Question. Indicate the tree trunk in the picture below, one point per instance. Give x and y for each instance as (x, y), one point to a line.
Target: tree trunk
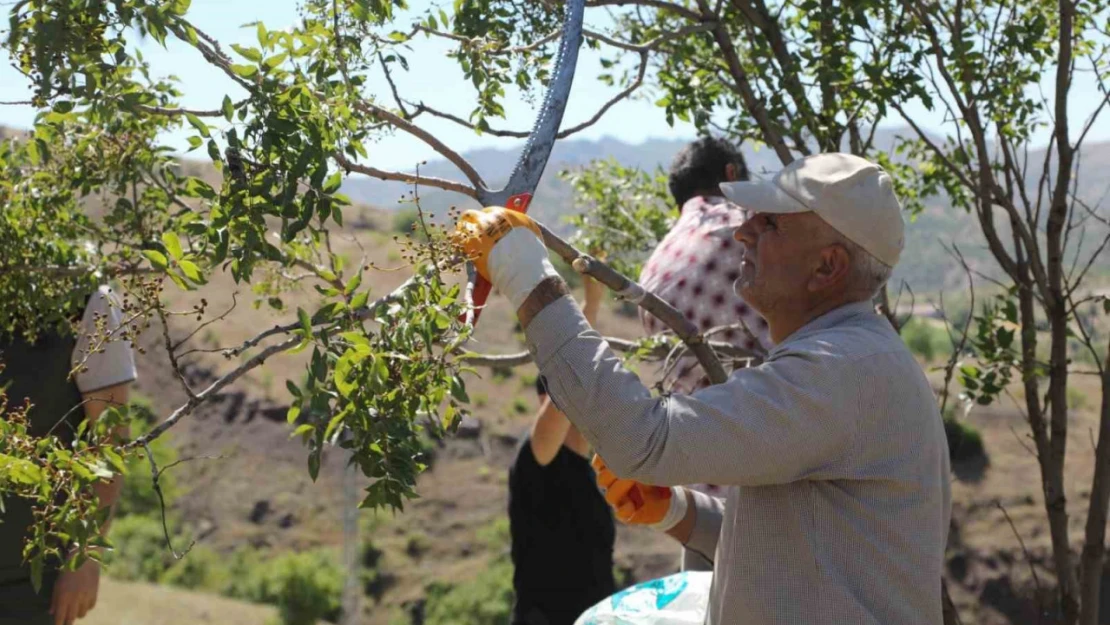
(1094, 549)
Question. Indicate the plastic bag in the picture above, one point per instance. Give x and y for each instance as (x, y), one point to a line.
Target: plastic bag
(679, 599)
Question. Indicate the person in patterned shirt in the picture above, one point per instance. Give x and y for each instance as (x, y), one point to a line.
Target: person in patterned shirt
(694, 266)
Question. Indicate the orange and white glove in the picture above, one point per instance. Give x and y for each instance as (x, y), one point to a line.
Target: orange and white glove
(636, 503)
(507, 249)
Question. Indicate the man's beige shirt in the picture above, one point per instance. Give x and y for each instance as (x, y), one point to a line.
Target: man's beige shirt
(833, 451)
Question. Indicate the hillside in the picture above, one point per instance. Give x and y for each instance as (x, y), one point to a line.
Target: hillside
(925, 266)
(245, 484)
(257, 492)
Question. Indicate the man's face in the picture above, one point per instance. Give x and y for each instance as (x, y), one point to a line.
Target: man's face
(780, 254)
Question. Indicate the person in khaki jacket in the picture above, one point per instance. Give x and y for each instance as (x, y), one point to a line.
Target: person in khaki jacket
(832, 451)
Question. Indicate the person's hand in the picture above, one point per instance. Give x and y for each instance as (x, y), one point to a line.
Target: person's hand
(635, 503)
(506, 248)
(75, 593)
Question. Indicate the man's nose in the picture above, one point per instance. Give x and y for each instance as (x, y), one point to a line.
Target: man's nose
(744, 233)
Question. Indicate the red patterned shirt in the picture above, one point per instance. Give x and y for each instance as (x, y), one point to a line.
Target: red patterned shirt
(693, 269)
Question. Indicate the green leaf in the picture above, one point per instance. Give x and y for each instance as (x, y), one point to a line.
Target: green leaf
(173, 244)
(228, 108)
(263, 36)
(302, 430)
(334, 181)
(117, 462)
(343, 371)
(448, 416)
(293, 390)
(191, 271)
(33, 153)
(355, 338)
(335, 421)
(359, 300)
(458, 389)
(306, 322)
(251, 54)
(158, 259)
(314, 464)
(245, 71)
(275, 60)
(195, 142)
(201, 127)
(300, 346)
(293, 414)
(19, 470)
(353, 284)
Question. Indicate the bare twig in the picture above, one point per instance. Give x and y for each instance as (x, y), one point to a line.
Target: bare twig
(234, 303)
(172, 354)
(393, 87)
(957, 346)
(155, 475)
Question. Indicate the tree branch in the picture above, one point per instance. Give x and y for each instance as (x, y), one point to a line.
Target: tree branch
(641, 49)
(381, 174)
(627, 289)
(677, 9)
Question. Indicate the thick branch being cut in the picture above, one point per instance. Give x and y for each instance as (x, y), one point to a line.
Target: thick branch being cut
(623, 287)
(618, 344)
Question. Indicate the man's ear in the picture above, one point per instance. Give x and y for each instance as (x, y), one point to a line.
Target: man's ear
(732, 174)
(832, 269)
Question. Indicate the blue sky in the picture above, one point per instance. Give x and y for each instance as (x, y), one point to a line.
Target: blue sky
(433, 79)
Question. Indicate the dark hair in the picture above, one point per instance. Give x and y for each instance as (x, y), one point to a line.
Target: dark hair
(541, 386)
(700, 167)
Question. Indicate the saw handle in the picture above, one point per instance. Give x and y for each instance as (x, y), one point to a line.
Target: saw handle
(482, 287)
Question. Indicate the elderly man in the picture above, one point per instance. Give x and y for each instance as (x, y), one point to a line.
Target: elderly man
(833, 450)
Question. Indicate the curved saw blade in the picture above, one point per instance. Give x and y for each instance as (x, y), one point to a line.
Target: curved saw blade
(517, 193)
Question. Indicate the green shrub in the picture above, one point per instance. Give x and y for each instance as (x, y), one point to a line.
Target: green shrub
(200, 568)
(140, 552)
(305, 586)
(926, 340)
(417, 544)
(496, 535)
(137, 495)
(964, 441)
(520, 406)
(404, 220)
(486, 599)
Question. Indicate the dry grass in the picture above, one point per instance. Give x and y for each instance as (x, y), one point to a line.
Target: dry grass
(130, 603)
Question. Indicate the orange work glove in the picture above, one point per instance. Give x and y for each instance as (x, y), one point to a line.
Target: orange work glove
(635, 503)
(507, 249)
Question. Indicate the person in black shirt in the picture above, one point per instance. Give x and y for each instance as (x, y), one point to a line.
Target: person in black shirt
(562, 529)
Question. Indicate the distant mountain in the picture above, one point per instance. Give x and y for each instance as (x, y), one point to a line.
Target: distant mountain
(925, 264)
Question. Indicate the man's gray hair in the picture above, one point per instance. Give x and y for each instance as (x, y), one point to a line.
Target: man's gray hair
(869, 274)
